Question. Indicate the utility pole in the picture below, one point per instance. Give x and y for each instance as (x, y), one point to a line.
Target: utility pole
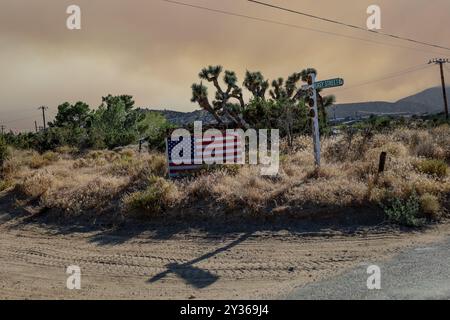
(43, 108)
(441, 62)
(3, 129)
(35, 126)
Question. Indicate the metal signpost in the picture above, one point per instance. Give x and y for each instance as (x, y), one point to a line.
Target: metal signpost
(312, 88)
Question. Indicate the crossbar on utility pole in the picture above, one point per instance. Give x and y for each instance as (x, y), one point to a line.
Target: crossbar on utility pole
(441, 62)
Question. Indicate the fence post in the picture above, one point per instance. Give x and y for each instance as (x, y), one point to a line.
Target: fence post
(382, 162)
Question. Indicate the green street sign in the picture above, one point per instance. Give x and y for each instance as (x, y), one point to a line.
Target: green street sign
(329, 83)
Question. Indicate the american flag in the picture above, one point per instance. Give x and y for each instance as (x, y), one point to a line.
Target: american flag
(204, 150)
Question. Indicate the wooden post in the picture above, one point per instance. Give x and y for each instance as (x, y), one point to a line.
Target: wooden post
(316, 129)
(382, 163)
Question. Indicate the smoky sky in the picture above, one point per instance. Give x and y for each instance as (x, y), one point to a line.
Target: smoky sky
(154, 50)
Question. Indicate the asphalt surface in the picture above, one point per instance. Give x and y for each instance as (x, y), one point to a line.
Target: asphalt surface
(419, 273)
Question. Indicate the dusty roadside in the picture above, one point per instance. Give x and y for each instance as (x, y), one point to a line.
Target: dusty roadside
(185, 263)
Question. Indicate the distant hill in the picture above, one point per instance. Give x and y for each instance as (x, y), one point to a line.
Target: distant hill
(428, 101)
(185, 118)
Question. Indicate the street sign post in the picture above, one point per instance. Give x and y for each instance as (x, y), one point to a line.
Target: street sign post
(312, 88)
(316, 129)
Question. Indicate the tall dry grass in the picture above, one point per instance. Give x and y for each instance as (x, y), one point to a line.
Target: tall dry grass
(106, 180)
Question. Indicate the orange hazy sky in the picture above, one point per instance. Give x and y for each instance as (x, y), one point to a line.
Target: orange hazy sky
(154, 50)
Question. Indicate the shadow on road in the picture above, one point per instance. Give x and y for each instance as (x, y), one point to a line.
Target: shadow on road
(196, 276)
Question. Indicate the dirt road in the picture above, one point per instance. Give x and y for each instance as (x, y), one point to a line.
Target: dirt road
(182, 263)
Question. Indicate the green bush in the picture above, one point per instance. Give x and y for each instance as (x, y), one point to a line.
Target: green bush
(154, 128)
(404, 211)
(158, 196)
(433, 167)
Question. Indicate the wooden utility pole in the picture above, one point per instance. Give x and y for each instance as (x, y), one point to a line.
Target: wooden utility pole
(3, 129)
(441, 62)
(43, 108)
(35, 126)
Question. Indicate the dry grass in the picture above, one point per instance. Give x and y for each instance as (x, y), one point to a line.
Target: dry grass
(95, 181)
(431, 206)
(101, 180)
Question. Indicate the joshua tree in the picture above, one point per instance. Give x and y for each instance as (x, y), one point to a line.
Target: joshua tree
(256, 84)
(286, 97)
(221, 106)
(324, 103)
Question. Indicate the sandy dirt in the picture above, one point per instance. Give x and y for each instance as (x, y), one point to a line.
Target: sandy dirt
(184, 263)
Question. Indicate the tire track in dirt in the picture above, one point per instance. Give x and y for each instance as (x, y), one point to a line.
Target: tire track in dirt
(33, 262)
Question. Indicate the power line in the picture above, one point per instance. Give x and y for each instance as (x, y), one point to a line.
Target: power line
(390, 76)
(349, 25)
(295, 26)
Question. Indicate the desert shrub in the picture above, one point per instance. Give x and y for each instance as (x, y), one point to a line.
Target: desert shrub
(127, 153)
(66, 150)
(50, 156)
(80, 196)
(339, 151)
(35, 185)
(125, 165)
(428, 149)
(433, 167)
(13, 165)
(430, 205)
(159, 195)
(158, 165)
(95, 155)
(133, 165)
(88, 162)
(229, 169)
(324, 172)
(4, 184)
(404, 211)
(201, 186)
(38, 161)
(4, 151)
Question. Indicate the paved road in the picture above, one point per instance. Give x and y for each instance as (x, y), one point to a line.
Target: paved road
(419, 273)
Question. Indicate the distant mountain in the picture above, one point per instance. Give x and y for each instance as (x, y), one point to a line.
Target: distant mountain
(428, 101)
